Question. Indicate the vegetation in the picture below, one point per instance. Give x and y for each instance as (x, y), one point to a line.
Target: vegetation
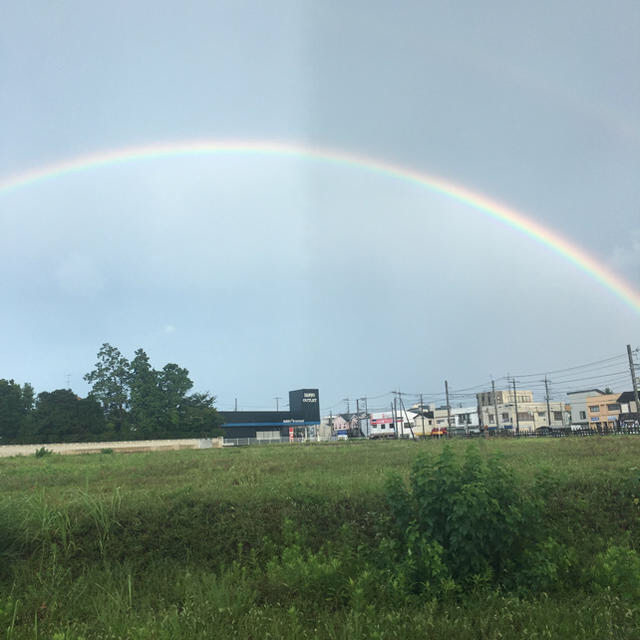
(526, 539)
(128, 401)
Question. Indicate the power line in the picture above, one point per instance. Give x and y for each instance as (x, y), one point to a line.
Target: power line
(579, 366)
(592, 377)
(600, 374)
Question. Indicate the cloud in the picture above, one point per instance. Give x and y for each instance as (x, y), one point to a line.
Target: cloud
(168, 329)
(626, 259)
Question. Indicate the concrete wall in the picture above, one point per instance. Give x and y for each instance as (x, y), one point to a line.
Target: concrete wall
(70, 448)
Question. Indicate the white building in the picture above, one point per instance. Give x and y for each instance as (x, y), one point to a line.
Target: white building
(388, 424)
(462, 418)
(530, 416)
(578, 411)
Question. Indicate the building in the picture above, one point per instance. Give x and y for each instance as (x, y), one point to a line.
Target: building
(531, 415)
(629, 411)
(603, 411)
(462, 419)
(424, 419)
(303, 416)
(351, 423)
(389, 424)
(578, 401)
(485, 399)
(325, 430)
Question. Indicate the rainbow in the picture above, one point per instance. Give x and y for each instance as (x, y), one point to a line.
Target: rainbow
(522, 223)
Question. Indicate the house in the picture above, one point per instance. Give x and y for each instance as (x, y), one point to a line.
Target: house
(603, 411)
(578, 412)
(629, 410)
(424, 419)
(463, 419)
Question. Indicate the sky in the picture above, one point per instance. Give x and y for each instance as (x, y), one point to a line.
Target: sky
(261, 272)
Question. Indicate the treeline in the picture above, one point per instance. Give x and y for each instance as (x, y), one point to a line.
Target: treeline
(129, 400)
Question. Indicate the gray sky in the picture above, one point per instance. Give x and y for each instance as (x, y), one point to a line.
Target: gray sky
(262, 274)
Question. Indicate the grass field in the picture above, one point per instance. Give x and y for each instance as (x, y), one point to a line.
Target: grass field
(310, 541)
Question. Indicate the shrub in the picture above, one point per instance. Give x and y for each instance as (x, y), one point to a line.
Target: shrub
(548, 566)
(617, 569)
(471, 516)
(42, 452)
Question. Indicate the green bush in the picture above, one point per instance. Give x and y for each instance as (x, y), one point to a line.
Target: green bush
(548, 566)
(470, 516)
(42, 452)
(301, 573)
(305, 575)
(617, 569)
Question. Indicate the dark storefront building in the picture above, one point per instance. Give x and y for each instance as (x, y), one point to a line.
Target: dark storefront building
(304, 412)
(628, 418)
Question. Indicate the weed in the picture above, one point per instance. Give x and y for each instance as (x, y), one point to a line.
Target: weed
(470, 517)
(618, 570)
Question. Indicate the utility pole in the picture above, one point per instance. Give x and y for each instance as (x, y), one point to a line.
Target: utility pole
(393, 417)
(277, 398)
(546, 389)
(495, 402)
(634, 381)
(366, 415)
(236, 404)
(446, 393)
(406, 415)
(515, 399)
(395, 412)
(358, 414)
(422, 413)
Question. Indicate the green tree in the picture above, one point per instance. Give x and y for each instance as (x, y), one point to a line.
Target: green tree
(174, 383)
(28, 397)
(146, 398)
(139, 401)
(110, 386)
(15, 408)
(60, 416)
(199, 417)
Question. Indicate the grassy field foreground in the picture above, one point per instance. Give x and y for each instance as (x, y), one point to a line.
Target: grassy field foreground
(349, 540)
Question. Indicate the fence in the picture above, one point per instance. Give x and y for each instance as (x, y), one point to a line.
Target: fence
(245, 442)
(632, 428)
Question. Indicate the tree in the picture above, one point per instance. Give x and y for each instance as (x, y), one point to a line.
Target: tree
(28, 397)
(110, 380)
(199, 418)
(146, 398)
(16, 404)
(145, 403)
(61, 416)
(174, 382)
